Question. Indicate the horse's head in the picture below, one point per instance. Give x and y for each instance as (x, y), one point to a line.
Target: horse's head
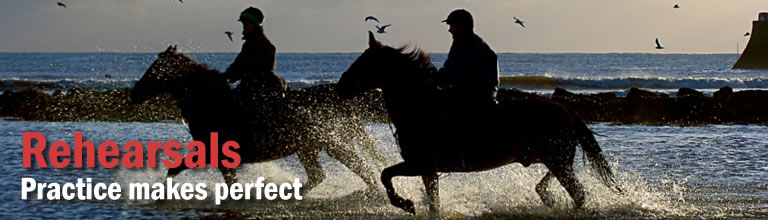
(379, 66)
(168, 68)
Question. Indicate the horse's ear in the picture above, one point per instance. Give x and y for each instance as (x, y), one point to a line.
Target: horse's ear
(174, 48)
(372, 42)
(169, 48)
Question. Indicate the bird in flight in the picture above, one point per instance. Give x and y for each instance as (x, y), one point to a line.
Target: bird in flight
(658, 44)
(676, 6)
(61, 4)
(381, 29)
(229, 34)
(370, 17)
(518, 21)
(746, 34)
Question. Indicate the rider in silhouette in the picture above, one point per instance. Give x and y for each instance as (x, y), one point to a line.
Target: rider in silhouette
(254, 67)
(470, 77)
(471, 72)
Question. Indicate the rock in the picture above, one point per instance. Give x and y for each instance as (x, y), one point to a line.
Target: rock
(635, 93)
(688, 92)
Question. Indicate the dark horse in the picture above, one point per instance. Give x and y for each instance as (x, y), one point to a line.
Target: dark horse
(303, 122)
(525, 131)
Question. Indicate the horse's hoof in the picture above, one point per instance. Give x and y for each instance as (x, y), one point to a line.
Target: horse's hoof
(405, 205)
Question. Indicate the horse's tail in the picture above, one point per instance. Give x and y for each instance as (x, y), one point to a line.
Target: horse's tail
(595, 155)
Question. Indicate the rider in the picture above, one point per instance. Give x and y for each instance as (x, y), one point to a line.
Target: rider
(254, 67)
(470, 74)
(470, 77)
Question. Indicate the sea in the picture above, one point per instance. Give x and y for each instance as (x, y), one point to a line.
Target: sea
(667, 172)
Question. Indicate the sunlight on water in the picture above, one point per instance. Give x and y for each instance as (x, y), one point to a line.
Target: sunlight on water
(507, 191)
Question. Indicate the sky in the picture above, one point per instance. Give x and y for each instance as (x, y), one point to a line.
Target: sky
(552, 26)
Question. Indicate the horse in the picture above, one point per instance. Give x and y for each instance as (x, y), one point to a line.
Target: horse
(522, 131)
(304, 122)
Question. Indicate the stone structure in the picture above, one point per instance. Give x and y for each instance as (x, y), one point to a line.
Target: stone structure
(755, 55)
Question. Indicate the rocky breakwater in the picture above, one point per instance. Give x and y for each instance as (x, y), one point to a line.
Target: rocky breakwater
(82, 104)
(114, 105)
(688, 107)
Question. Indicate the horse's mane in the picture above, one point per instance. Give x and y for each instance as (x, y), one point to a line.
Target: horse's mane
(193, 62)
(416, 57)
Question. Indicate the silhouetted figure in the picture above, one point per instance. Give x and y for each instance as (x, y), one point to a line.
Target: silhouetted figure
(676, 6)
(255, 65)
(470, 77)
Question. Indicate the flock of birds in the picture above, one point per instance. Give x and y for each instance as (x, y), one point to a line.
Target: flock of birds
(658, 44)
(379, 29)
(382, 29)
(60, 4)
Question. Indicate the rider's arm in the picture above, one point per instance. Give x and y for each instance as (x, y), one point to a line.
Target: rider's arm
(238, 68)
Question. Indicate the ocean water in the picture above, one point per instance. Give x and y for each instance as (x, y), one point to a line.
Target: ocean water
(531, 72)
(718, 171)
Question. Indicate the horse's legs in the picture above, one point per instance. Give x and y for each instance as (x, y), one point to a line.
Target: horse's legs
(345, 153)
(543, 191)
(400, 169)
(432, 188)
(230, 175)
(311, 162)
(567, 178)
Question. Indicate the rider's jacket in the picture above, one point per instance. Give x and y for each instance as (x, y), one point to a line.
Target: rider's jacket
(471, 71)
(254, 67)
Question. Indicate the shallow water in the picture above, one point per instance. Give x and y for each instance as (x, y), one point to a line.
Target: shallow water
(667, 172)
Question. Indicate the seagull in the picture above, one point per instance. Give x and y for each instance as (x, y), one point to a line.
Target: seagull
(371, 18)
(747, 34)
(658, 45)
(61, 4)
(381, 29)
(518, 21)
(676, 6)
(229, 34)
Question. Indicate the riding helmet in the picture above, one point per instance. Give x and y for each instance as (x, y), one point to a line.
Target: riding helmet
(460, 17)
(252, 14)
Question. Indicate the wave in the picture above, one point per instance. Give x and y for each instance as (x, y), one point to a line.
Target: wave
(51, 84)
(519, 82)
(622, 83)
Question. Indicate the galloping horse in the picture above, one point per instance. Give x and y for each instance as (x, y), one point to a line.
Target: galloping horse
(303, 122)
(524, 131)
